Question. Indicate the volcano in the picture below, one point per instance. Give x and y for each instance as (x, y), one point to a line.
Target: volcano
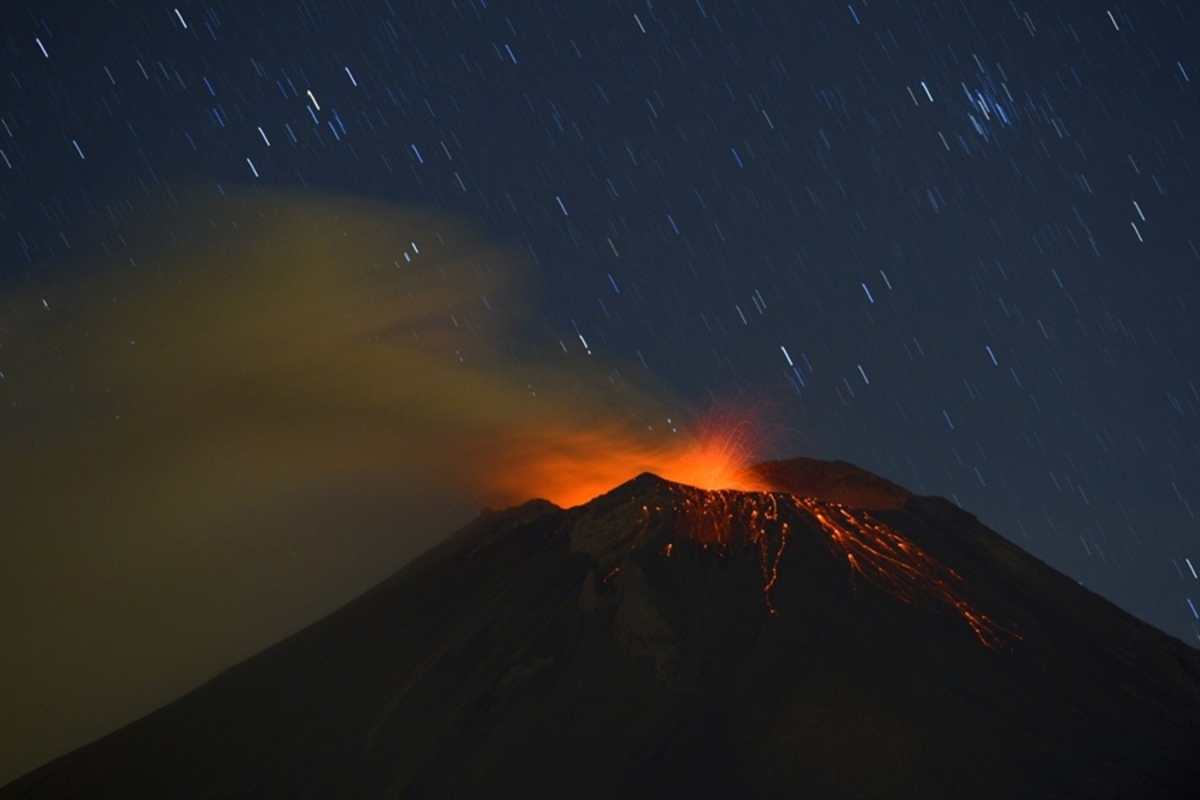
(836, 636)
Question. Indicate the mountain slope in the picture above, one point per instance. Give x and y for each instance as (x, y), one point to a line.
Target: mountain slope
(663, 641)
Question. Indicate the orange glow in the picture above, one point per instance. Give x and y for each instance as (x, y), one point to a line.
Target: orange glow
(570, 467)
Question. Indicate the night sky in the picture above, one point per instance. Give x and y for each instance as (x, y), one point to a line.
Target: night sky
(955, 244)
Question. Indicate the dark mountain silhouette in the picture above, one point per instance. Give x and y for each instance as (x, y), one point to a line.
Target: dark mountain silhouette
(839, 638)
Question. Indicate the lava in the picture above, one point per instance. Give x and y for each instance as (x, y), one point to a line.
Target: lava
(883, 556)
(716, 517)
(725, 518)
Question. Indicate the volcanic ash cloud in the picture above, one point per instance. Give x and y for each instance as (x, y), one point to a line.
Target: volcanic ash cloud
(253, 409)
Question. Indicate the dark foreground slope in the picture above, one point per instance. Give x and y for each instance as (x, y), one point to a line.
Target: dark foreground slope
(601, 651)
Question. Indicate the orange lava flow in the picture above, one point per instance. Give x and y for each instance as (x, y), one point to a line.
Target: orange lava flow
(884, 557)
(874, 550)
(711, 517)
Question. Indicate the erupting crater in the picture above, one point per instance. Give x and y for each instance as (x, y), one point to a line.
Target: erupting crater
(776, 501)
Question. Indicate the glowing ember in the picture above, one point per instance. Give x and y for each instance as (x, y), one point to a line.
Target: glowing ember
(883, 556)
(711, 517)
(873, 549)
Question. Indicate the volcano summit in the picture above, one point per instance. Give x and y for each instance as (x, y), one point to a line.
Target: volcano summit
(836, 636)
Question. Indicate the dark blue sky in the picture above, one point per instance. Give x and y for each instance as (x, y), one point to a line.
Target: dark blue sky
(955, 244)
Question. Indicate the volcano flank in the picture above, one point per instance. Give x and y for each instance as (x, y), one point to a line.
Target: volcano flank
(835, 636)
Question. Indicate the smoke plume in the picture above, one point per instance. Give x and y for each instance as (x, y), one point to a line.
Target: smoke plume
(252, 410)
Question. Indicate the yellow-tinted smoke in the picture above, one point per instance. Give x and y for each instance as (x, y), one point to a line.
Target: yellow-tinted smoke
(260, 408)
